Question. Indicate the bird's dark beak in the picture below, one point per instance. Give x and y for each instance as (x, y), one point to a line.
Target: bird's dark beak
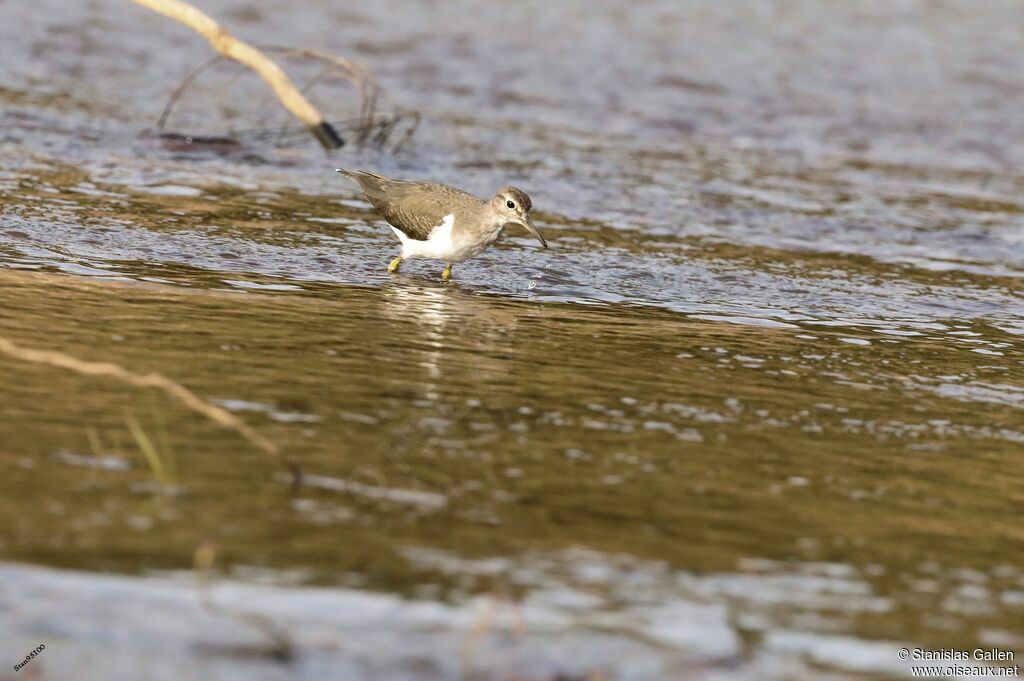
(532, 229)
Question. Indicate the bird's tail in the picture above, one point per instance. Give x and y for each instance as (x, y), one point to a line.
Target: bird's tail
(358, 175)
(354, 174)
(372, 184)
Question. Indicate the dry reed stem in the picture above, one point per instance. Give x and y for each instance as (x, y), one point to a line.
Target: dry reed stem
(369, 127)
(272, 74)
(173, 389)
(184, 85)
(359, 77)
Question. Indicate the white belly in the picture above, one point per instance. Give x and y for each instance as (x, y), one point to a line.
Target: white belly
(441, 245)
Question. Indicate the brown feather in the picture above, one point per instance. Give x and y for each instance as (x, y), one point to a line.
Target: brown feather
(415, 208)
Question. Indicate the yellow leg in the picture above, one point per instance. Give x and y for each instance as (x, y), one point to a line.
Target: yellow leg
(394, 265)
(447, 274)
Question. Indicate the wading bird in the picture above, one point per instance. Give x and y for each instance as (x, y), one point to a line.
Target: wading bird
(439, 222)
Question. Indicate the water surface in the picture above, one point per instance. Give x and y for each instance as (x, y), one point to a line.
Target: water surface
(755, 414)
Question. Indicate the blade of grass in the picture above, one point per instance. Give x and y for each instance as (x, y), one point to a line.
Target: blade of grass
(94, 441)
(148, 450)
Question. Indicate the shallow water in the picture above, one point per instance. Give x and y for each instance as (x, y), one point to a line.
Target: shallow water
(756, 413)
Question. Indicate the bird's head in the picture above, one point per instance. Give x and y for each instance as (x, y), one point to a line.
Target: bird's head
(514, 206)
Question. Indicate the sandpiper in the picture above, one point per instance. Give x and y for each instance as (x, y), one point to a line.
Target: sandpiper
(440, 222)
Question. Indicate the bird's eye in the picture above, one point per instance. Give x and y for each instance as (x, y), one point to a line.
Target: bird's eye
(511, 204)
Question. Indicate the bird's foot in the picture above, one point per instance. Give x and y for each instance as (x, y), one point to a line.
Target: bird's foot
(394, 265)
(447, 273)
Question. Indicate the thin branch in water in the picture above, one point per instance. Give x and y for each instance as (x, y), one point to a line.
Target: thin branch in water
(171, 388)
(361, 78)
(309, 85)
(369, 127)
(232, 48)
(184, 85)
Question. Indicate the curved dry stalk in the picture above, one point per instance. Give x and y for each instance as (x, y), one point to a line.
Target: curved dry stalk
(192, 76)
(368, 127)
(361, 78)
(173, 389)
(410, 129)
(272, 74)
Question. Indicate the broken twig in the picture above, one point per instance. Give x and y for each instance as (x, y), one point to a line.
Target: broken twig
(381, 130)
(232, 48)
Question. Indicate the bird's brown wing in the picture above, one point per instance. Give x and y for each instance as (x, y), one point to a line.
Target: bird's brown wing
(416, 208)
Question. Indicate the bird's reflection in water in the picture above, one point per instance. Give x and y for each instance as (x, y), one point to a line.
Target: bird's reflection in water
(455, 346)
